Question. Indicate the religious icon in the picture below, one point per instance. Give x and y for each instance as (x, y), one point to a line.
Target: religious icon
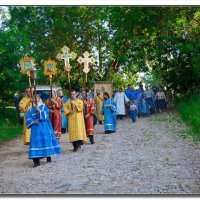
(103, 86)
(26, 65)
(50, 67)
(102, 89)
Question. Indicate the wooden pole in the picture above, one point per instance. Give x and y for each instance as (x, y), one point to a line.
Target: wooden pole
(35, 99)
(50, 79)
(29, 80)
(69, 88)
(51, 90)
(68, 75)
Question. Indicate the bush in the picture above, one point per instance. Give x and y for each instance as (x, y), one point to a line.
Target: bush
(189, 108)
(9, 124)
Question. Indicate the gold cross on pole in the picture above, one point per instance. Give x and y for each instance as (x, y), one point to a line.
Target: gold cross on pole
(66, 56)
(86, 60)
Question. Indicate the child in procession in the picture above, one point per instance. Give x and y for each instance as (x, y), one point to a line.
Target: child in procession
(133, 111)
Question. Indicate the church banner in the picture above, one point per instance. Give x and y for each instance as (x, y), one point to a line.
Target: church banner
(103, 86)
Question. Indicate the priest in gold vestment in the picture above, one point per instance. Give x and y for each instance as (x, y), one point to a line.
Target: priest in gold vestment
(99, 101)
(73, 109)
(24, 105)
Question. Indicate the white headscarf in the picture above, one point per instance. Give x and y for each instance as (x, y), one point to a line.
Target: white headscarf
(39, 104)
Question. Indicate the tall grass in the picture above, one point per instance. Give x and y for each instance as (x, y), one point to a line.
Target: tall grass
(9, 124)
(189, 108)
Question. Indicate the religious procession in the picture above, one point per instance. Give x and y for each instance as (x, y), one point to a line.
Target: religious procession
(99, 99)
(44, 122)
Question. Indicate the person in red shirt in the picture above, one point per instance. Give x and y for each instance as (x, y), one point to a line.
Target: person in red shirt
(54, 104)
(89, 111)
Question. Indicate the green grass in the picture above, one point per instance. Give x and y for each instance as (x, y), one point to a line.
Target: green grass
(9, 125)
(189, 109)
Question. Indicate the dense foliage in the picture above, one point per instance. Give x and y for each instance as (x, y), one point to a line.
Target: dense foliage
(189, 109)
(163, 41)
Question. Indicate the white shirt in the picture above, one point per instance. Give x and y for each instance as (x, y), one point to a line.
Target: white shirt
(149, 93)
(119, 98)
(133, 107)
(161, 95)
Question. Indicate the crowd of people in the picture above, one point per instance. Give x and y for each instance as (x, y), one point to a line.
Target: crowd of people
(144, 102)
(44, 123)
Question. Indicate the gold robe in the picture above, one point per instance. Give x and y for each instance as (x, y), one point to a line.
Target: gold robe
(24, 109)
(76, 125)
(99, 102)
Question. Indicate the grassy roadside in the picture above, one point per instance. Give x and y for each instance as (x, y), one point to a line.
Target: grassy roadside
(9, 125)
(189, 109)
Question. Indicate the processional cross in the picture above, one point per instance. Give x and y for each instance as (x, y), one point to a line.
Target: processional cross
(86, 60)
(66, 56)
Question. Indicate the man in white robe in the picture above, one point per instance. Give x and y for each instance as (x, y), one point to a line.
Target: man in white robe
(120, 99)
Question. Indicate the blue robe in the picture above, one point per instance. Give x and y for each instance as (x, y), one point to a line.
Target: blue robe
(109, 112)
(43, 142)
(127, 92)
(64, 119)
(142, 106)
(149, 101)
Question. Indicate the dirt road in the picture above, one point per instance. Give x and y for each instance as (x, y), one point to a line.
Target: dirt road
(148, 157)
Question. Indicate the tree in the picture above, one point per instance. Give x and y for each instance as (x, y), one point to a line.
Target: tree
(162, 41)
(12, 46)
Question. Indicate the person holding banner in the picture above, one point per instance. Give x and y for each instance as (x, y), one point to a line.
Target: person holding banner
(73, 109)
(43, 142)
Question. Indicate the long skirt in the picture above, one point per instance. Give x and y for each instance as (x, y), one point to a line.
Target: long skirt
(143, 109)
(161, 104)
(43, 142)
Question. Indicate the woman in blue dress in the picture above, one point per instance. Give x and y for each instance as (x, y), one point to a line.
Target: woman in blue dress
(43, 142)
(143, 109)
(109, 112)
